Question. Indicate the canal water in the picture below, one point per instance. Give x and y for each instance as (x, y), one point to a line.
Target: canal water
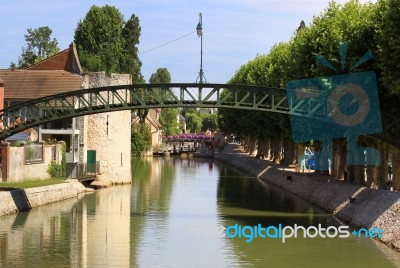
(174, 215)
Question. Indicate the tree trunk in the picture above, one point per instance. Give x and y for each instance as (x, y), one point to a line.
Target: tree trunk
(267, 148)
(260, 147)
(277, 144)
(342, 169)
(292, 153)
(339, 159)
(300, 147)
(318, 146)
(372, 172)
(246, 142)
(395, 167)
(286, 152)
(335, 158)
(359, 172)
(252, 145)
(382, 168)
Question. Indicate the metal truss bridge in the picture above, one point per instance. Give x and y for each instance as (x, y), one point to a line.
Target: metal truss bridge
(77, 103)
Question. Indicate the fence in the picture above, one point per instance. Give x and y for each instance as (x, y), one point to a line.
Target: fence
(33, 153)
(27, 162)
(82, 171)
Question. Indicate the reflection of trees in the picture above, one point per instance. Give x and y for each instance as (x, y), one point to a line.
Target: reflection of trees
(152, 183)
(244, 201)
(247, 194)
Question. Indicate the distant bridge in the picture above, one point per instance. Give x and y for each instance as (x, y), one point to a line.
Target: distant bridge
(77, 103)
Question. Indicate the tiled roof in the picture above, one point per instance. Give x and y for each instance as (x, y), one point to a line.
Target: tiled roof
(1, 82)
(32, 84)
(66, 60)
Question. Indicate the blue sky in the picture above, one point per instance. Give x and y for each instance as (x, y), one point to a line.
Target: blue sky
(234, 31)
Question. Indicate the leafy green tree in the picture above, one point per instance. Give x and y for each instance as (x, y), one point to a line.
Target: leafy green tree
(388, 46)
(193, 122)
(130, 61)
(107, 43)
(209, 121)
(189, 110)
(139, 144)
(161, 76)
(168, 117)
(140, 139)
(39, 47)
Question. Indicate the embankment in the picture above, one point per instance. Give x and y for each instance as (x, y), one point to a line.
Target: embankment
(25, 199)
(356, 205)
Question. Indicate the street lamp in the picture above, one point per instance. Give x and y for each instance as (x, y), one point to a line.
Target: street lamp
(199, 30)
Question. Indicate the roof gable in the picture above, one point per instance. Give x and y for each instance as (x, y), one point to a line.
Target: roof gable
(66, 60)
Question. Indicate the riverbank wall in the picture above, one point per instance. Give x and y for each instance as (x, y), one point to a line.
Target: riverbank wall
(24, 199)
(357, 206)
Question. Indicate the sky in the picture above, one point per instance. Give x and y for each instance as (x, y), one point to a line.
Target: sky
(234, 31)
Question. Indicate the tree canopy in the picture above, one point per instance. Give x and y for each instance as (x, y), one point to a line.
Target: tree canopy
(364, 27)
(168, 117)
(106, 42)
(39, 47)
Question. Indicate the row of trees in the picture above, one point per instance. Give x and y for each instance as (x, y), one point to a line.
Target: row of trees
(371, 26)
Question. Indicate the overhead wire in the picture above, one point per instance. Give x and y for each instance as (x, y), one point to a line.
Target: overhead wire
(157, 47)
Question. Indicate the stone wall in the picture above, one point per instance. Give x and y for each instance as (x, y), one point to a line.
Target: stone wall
(14, 168)
(25, 199)
(109, 134)
(369, 208)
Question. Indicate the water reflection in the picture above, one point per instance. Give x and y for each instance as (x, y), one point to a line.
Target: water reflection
(247, 202)
(172, 216)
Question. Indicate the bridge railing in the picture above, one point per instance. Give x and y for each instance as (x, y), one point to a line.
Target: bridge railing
(82, 171)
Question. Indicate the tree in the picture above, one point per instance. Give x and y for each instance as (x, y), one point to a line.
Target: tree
(193, 122)
(168, 117)
(189, 110)
(107, 43)
(140, 139)
(130, 61)
(161, 76)
(39, 47)
(209, 121)
(388, 47)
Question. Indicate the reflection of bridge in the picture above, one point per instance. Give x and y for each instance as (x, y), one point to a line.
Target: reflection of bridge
(143, 96)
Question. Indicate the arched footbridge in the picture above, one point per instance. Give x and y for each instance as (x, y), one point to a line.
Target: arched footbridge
(81, 102)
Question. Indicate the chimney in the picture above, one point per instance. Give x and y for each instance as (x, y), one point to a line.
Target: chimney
(1, 94)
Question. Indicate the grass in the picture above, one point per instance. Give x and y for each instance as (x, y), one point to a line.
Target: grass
(30, 183)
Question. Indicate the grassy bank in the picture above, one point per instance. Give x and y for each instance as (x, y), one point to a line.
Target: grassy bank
(29, 184)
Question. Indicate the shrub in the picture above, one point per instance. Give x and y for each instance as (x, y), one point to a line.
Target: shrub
(55, 170)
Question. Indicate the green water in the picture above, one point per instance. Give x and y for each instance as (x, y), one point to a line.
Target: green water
(174, 215)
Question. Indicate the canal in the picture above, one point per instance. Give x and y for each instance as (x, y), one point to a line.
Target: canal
(174, 215)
